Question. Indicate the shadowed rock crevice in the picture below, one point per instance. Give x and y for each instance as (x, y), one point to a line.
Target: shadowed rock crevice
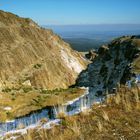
(114, 65)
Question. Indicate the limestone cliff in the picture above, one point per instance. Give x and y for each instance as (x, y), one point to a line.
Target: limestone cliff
(32, 55)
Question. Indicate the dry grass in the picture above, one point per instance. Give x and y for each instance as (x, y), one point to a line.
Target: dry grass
(118, 120)
(105, 116)
(24, 103)
(136, 65)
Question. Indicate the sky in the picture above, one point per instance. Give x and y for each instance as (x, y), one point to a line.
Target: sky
(71, 12)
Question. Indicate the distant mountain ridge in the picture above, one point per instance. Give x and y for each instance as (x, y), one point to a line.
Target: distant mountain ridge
(34, 56)
(86, 37)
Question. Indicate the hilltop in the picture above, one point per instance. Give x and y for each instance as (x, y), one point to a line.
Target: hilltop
(34, 56)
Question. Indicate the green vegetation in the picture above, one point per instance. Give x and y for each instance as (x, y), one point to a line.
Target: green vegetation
(37, 66)
(6, 90)
(26, 100)
(27, 89)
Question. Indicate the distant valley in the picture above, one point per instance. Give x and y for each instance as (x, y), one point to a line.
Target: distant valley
(87, 37)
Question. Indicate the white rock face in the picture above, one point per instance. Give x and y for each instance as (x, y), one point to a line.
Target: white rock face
(71, 62)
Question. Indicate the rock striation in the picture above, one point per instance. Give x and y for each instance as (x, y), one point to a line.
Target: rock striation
(32, 55)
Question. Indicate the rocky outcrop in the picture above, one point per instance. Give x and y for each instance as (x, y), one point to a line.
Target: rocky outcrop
(31, 53)
(115, 63)
(91, 55)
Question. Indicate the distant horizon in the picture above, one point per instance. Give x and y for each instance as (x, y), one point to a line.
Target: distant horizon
(89, 24)
(94, 27)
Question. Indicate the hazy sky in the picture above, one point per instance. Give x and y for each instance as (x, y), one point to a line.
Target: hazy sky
(76, 11)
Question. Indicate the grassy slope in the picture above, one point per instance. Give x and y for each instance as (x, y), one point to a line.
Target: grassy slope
(118, 118)
(31, 53)
(31, 100)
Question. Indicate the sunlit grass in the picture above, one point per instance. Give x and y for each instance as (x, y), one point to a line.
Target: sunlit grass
(23, 103)
(118, 118)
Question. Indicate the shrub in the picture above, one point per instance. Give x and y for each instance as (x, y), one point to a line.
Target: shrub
(37, 66)
(27, 89)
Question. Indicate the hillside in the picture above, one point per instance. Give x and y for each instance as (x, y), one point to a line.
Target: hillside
(34, 56)
(115, 64)
(114, 118)
(98, 114)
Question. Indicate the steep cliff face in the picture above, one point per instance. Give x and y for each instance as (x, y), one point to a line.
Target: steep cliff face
(115, 64)
(35, 56)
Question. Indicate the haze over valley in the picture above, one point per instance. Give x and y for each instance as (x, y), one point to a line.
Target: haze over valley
(86, 37)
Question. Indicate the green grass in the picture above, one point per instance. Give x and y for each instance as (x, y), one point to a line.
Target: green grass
(22, 103)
